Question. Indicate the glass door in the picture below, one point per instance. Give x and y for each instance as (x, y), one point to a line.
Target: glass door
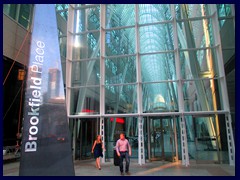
(161, 138)
(86, 130)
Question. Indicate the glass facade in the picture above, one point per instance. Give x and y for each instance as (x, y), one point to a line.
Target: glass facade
(152, 71)
(159, 64)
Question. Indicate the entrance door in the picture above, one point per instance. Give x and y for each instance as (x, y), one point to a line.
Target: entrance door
(85, 133)
(161, 138)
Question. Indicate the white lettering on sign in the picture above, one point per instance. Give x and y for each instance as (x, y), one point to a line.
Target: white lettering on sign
(35, 99)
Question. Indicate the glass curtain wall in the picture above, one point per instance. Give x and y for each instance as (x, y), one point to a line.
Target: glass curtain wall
(131, 61)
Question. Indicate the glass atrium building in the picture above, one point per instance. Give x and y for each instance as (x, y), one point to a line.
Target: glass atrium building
(163, 74)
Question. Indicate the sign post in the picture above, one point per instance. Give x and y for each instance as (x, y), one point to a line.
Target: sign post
(46, 143)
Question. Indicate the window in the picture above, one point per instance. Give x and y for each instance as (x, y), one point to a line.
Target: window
(21, 13)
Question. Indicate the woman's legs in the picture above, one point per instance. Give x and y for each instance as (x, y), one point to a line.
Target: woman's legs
(98, 162)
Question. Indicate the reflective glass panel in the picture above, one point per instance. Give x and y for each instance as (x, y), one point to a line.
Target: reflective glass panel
(207, 142)
(224, 10)
(228, 33)
(10, 10)
(86, 46)
(160, 97)
(151, 13)
(158, 67)
(62, 10)
(156, 38)
(120, 15)
(120, 41)
(195, 34)
(87, 19)
(201, 95)
(85, 73)
(120, 70)
(183, 11)
(85, 101)
(198, 64)
(63, 45)
(120, 99)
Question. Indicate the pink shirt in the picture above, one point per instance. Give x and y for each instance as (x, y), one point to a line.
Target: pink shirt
(123, 145)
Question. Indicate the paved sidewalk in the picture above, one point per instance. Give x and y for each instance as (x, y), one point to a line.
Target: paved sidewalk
(155, 168)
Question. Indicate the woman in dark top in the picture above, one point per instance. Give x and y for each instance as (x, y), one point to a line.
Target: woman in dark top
(97, 150)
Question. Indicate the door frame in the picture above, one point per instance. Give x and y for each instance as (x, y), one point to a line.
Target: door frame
(173, 138)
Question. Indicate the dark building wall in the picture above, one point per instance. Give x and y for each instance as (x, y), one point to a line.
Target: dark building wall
(11, 101)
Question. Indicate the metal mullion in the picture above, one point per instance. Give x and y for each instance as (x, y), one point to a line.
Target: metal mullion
(157, 82)
(156, 23)
(202, 48)
(86, 32)
(85, 59)
(185, 157)
(69, 54)
(119, 28)
(86, 6)
(120, 56)
(156, 52)
(86, 86)
(102, 73)
(223, 85)
(194, 18)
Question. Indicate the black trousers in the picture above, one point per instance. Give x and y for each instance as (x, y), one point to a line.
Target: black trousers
(127, 159)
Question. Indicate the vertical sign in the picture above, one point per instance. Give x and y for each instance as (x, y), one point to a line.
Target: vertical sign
(46, 143)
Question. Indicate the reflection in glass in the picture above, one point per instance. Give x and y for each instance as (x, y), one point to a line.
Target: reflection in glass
(120, 70)
(201, 95)
(193, 10)
(87, 19)
(207, 139)
(158, 67)
(120, 42)
(85, 73)
(120, 99)
(151, 13)
(204, 66)
(160, 97)
(155, 38)
(86, 46)
(124, 15)
(85, 100)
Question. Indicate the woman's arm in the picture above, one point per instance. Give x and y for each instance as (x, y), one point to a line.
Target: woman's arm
(94, 144)
(103, 147)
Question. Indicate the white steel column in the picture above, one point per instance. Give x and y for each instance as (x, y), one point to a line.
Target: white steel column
(222, 80)
(175, 137)
(69, 54)
(141, 150)
(185, 157)
(70, 29)
(102, 73)
(103, 137)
